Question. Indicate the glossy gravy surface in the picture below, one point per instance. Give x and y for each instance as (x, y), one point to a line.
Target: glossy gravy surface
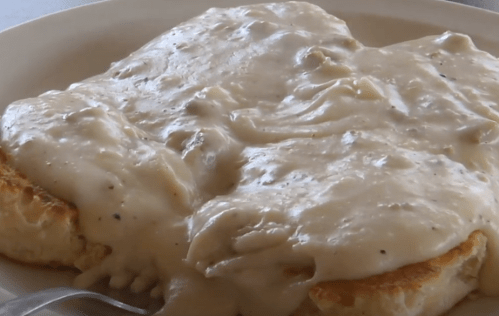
(252, 140)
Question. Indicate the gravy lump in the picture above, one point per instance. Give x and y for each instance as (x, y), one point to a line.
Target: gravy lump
(253, 140)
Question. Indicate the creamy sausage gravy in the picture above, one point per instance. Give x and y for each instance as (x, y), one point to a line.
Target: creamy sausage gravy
(251, 140)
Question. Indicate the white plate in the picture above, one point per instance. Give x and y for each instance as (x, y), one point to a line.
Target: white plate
(52, 52)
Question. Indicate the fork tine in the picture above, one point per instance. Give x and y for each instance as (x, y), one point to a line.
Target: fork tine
(29, 304)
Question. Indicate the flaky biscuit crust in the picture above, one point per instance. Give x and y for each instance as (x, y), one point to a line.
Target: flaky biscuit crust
(38, 228)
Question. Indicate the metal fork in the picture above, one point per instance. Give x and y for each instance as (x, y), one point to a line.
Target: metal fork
(29, 304)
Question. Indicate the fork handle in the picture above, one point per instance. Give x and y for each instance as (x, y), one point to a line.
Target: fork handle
(31, 303)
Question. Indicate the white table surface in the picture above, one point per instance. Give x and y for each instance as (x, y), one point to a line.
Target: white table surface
(14, 12)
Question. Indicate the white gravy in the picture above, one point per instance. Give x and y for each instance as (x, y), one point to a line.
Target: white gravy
(250, 140)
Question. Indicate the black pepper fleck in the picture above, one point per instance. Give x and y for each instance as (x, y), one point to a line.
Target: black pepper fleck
(117, 216)
(443, 76)
(383, 252)
(111, 187)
